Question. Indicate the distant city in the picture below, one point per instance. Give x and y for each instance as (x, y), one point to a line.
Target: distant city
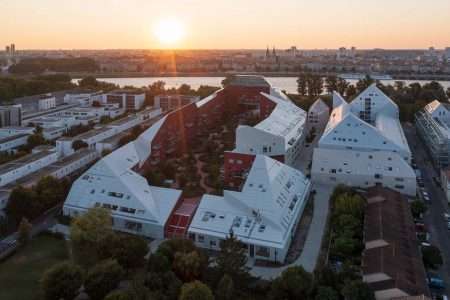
(403, 64)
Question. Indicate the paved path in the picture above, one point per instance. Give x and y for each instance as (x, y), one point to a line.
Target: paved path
(308, 257)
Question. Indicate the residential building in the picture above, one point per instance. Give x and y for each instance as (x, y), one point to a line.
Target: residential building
(433, 126)
(59, 169)
(92, 137)
(170, 102)
(318, 115)
(136, 207)
(52, 133)
(391, 262)
(10, 115)
(11, 142)
(15, 130)
(364, 145)
(263, 216)
(445, 182)
(128, 99)
(41, 157)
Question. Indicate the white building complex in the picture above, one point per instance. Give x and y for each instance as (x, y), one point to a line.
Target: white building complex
(264, 215)
(280, 135)
(111, 183)
(318, 115)
(363, 145)
(433, 126)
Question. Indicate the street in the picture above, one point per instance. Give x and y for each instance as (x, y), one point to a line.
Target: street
(434, 220)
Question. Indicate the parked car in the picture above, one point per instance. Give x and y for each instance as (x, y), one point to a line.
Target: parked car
(435, 281)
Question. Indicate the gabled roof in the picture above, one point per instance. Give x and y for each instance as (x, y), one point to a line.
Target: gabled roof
(338, 100)
(286, 120)
(263, 212)
(319, 106)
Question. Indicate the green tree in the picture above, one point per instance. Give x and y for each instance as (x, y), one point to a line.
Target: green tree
(86, 234)
(232, 260)
(79, 144)
(188, 266)
(21, 204)
(118, 295)
(302, 84)
(195, 291)
(24, 231)
(103, 278)
(170, 247)
(326, 293)
(418, 208)
(62, 281)
(228, 79)
(448, 92)
(357, 290)
(163, 285)
(342, 86)
(350, 92)
(225, 288)
(364, 83)
(158, 263)
(432, 257)
(349, 204)
(35, 140)
(89, 81)
(129, 251)
(294, 283)
(331, 83)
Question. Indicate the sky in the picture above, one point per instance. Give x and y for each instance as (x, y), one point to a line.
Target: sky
(225, 24)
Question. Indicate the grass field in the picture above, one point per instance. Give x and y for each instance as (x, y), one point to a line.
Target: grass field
(20, 273)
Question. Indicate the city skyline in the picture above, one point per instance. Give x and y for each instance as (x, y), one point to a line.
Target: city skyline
(136, 24)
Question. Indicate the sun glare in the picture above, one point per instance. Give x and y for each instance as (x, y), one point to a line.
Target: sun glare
(169, 31)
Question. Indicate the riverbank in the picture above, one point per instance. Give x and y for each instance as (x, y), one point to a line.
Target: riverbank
(429, 77)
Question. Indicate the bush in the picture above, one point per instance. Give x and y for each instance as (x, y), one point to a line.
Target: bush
(103, 278)
(62, 281)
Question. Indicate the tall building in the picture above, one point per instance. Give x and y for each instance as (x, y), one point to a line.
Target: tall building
(10, 115)
(13, 49)
(364, 145)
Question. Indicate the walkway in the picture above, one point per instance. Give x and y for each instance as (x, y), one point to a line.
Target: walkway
(313, 243)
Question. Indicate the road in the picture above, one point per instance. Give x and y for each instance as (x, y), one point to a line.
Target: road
(434, 220)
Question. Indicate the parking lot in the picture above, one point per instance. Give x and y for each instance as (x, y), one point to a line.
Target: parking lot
(435, 221)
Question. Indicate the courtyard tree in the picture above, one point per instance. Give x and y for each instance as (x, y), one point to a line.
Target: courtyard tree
(357, 290)
(418, 208)
(86, 234)
(188, 266)
(196, 291)
(62, 281)
(294, 283)
(432, 257)
(225, 288)
(232, 260)
(326, 293)
(24, 231)
(103, 278)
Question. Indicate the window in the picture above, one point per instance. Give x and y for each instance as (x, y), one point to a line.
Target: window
(262, 251)
(114, 194)
(212, 243)
(201, 238)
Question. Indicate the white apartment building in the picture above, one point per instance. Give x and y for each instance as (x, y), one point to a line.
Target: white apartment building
(92, 137)
(84, 98)
(280, 135)
(318, 115)
(40, 158)
(363, 145)
(11, 142)
(46, 102)
(264, 215)
(127, 99)
(111, 183)
(15, 130)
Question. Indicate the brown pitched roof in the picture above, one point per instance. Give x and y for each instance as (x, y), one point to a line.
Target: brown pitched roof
(388, 217)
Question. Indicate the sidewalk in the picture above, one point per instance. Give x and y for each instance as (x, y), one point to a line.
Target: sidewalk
(308, 257)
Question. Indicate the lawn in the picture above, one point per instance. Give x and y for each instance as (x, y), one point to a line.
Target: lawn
(20, 273)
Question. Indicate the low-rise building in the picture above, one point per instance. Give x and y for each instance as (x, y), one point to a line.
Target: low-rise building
(15, 130)
(391, 262)
(41, 157)
(264, 215)
(10, 115)
(364, 145)
(59, 169)
(11, 142)
(170, 102)
(136, 207)
(128, 99)
(445, 182)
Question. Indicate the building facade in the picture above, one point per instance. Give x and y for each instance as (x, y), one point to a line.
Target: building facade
(10, 115)
(171, 102)
(363, 145)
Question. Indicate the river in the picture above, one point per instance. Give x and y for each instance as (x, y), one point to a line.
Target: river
(289, 84)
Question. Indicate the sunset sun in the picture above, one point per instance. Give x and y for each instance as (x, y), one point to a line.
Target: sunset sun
(169, 31)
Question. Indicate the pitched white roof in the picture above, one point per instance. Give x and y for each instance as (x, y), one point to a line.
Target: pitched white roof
(263, 213)
(286, 120)
(319, 106)
(346, 129)
(204, 101)
(112, 181)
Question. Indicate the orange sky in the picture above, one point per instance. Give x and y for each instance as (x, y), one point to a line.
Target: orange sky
(225, 24)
